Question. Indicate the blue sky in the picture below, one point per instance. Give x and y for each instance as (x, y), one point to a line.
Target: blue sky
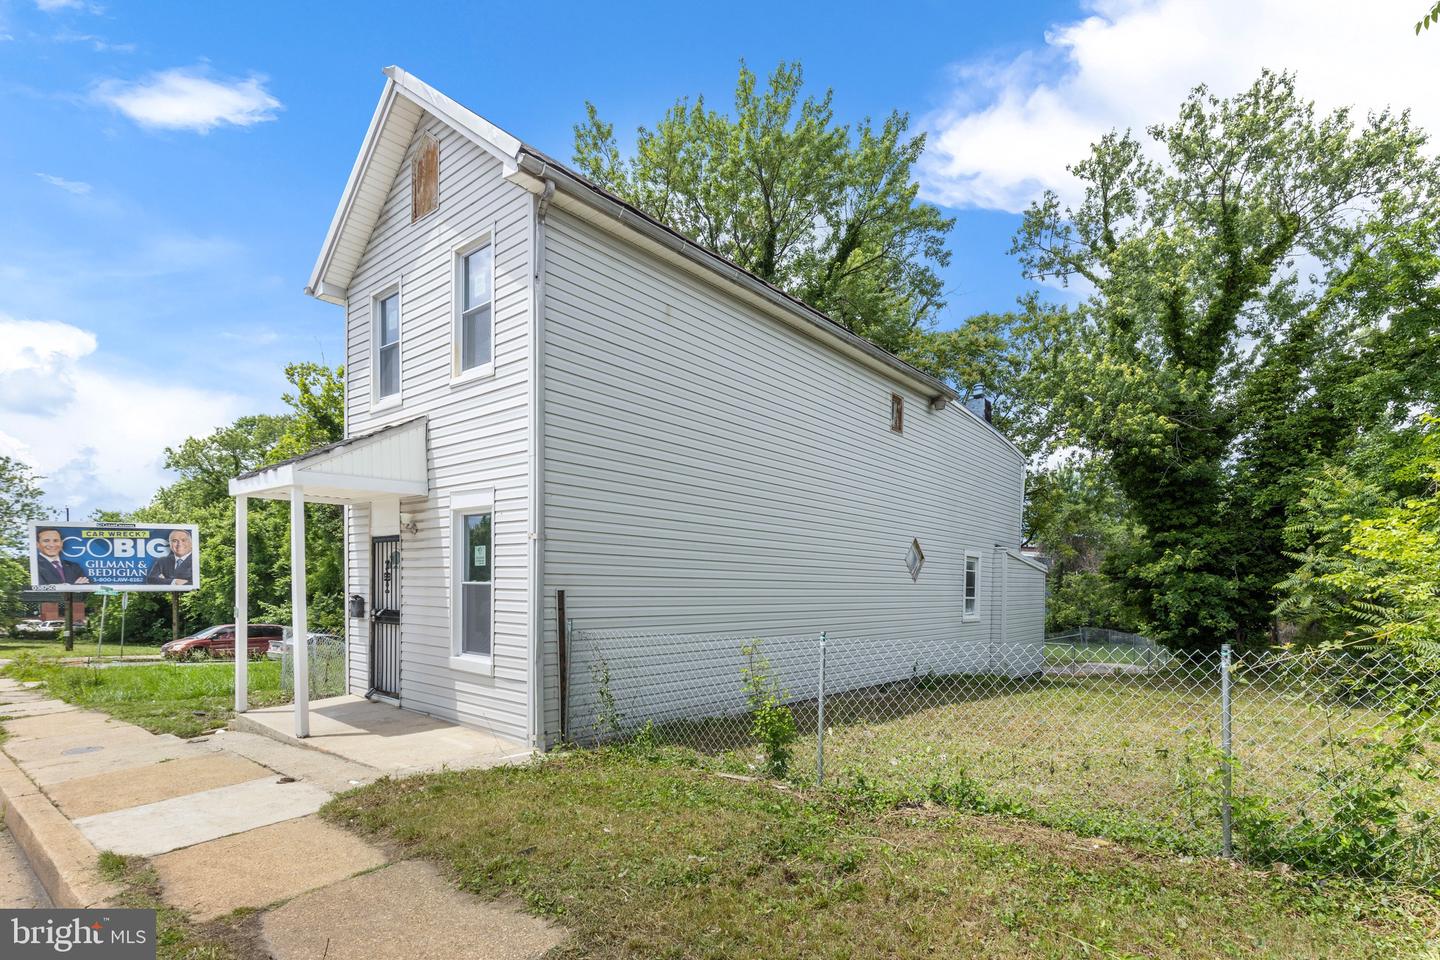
(168, 170)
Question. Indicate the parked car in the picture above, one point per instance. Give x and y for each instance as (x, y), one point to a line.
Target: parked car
(281, 645)
(219, 641)
(29, 626)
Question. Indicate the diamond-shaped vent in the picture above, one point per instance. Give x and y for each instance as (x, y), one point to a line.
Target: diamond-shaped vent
(915, 559)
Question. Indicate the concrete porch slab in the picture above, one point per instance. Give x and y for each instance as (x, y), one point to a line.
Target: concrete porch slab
(390, 739)
(261, 866)
(156, 828)
(409, 909)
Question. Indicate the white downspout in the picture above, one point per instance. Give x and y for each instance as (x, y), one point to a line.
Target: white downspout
(536, 492)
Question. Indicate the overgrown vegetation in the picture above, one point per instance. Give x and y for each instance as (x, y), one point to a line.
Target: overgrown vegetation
(645, 856)
(772, 723)
(186, 700)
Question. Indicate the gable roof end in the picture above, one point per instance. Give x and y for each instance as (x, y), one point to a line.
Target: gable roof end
(406, 99)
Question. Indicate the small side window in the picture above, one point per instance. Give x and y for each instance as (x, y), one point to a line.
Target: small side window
(387, 346)
(897, 413)
(972, 586)
(476, 333)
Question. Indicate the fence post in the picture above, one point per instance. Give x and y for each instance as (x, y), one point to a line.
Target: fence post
(1227, 848)
(820, 720)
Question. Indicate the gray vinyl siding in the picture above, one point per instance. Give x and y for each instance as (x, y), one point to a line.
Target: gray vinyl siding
(1025, 617)
(709, 470)
(478, 429)
(357, 580)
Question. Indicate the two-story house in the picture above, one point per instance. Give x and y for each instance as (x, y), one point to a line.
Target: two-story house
(547, 390)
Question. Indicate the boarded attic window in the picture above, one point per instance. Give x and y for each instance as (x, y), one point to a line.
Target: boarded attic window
(425, 178)
(897, 413)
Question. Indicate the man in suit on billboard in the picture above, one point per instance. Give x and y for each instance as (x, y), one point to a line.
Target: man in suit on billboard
(50, 567)
(177, 568)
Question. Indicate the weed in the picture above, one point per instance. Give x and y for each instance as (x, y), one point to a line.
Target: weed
(772, 722)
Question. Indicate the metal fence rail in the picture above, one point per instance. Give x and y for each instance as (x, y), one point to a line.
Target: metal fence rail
(1124, 739)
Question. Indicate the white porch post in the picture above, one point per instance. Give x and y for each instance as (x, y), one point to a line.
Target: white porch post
(300, 630)
(242, 604)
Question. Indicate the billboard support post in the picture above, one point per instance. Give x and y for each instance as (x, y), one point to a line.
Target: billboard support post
(69, 622)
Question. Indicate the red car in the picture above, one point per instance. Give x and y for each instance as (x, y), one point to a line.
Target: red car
(219, 641)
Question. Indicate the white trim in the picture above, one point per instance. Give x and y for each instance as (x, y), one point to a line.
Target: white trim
(395, 288)
(971, 615)
(499, 144)
(1030, 561)
(464, 504)
(458, 253)
(318, 286)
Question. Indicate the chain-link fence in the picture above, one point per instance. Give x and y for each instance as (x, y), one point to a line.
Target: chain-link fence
(1322, 759)
(326, 665)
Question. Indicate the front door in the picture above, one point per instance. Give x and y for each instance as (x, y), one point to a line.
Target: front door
(385, 616)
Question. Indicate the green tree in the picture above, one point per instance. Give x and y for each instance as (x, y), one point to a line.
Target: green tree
(826, 212)
(1077, 515)
(1239, 287)
(201, 495)
(20, 503)
(1367, 537)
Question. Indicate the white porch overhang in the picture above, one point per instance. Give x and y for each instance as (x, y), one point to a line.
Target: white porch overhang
(388, 463)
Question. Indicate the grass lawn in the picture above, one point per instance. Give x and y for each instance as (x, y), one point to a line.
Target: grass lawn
(1129, 756)
(650, 857)
(11, 647)
(184, 699)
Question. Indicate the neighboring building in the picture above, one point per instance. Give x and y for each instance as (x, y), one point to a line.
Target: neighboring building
(585, 401)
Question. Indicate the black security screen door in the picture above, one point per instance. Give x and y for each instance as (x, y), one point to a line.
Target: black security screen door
(385, 616)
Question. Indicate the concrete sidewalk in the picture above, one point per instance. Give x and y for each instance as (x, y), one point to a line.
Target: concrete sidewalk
(229, 821)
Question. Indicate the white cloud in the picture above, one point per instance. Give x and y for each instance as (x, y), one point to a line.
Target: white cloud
(77, 187)
(53, 6)
(1012, 125)
(189, 99)
(94, 427)
(37, 371)
(97, 43)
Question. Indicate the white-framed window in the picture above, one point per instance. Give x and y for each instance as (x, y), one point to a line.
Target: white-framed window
(472, 570)
(972, 586)
(385, 335)
(474, 294)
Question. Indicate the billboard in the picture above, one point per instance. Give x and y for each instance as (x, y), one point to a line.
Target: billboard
(69, 557)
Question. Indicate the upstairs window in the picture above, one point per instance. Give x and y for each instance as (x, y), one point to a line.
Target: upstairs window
(387, 346)
(425, 178)
(897, 413)
(972, 585)
(475, 325)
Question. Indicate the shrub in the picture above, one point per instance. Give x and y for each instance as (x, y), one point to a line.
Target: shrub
(772, 723)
